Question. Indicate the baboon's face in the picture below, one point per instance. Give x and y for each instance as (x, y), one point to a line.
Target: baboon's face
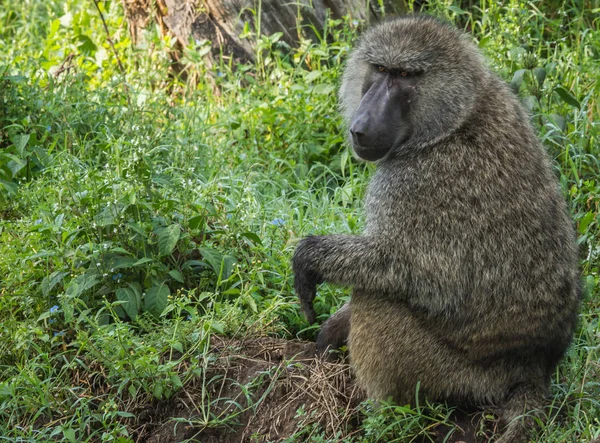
(381, 119)
(409, 81)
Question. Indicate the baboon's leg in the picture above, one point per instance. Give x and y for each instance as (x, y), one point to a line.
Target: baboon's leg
(334, 332)
(392, 350)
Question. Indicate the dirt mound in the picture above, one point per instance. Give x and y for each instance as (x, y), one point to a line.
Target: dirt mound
(262, 389)
(267, 389)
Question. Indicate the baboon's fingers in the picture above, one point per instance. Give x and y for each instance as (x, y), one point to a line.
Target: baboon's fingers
(309, 312)
(306, 295)
(306, 290)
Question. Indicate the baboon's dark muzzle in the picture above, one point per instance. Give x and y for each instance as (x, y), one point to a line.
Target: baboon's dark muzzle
(377, 121)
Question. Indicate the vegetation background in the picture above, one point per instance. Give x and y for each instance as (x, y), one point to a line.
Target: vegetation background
(147, 222)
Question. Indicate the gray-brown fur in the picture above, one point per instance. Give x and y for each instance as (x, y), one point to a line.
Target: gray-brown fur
(466, 276)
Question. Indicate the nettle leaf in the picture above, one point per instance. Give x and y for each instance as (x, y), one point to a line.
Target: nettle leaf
(156, 299)
(567, 97)
(167, 239)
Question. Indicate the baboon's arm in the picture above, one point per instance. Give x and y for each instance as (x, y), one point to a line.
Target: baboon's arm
(428, 273)
(359, 261)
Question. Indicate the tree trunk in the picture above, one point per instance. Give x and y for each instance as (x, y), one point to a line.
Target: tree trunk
(222, 22)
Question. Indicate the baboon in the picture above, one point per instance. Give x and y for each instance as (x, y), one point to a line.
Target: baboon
(465, 279)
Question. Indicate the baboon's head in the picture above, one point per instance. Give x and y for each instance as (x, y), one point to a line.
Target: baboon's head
(409, 81)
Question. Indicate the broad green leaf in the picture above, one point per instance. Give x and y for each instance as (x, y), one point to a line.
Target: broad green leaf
(567, 97)
(15, 164)
(196, 222)
(107, 217)
(227, 267)
(50, 281)
(517, 80)
(457, 10)
(167, 239)
(66, 19)
(156, 299)
(540, 75)
(137, 228)
(483, 42)
(252, 237)
(249, 301)
(213, 257)
(313, 75)
(69, 434)
(142, 261)
(20, 141)
(81, 284)
(130, 302)
(158, 390)
(274, 38)
(318, 51)
(6, 391)
(324, 88)
(585, 222)
(217, 327)
(10, 187)
(176, 275)
(123, 263)
(86, 45)
(529, 102)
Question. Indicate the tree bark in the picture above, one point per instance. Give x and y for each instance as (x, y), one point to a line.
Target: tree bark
(222, 22)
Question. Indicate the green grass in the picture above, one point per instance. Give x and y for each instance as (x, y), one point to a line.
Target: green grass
(142, 215)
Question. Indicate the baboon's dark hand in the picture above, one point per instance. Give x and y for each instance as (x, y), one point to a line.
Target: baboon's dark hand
(306, 278)
(306, 290)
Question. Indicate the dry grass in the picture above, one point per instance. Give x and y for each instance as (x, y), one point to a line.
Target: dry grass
(258, 389)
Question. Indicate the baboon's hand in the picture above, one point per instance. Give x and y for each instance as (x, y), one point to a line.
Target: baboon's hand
(306, 278)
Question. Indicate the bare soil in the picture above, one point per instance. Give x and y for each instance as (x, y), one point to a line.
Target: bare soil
(275, 389)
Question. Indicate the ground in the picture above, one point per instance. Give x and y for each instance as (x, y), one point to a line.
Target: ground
(294, 396)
